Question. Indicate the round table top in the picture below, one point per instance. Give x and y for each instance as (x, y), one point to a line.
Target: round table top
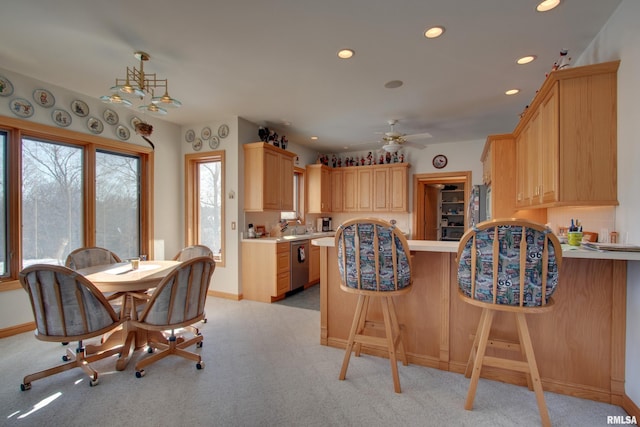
(121, 277)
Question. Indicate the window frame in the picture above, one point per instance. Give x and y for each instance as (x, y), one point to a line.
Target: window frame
(192, 199)
(18, 129)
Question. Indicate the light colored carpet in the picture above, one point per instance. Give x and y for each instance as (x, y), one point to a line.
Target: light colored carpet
(265, 367)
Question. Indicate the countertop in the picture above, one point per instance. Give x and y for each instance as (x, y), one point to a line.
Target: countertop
(452, 247)
(308, 236)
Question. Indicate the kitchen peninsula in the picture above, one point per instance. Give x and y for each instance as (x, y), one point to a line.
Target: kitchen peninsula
(579, 346)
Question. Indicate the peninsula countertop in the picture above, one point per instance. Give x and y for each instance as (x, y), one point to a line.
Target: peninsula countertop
(452, 247)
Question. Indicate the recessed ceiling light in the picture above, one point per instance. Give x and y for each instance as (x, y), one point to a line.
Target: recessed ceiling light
(345, 53)
(314, 138)
(393, 84)
(547, 5)
(434, 32)
(526, 59)
(512, 91)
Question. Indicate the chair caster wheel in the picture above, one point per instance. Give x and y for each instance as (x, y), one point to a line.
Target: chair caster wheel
(140, 373)
(65, 358)
(93, 383)
(65, 343)
(204, 320)
(199, 345)
(25, 387)
(150, 350)
(200, 365)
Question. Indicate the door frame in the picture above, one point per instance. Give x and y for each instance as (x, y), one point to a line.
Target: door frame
(420, 181)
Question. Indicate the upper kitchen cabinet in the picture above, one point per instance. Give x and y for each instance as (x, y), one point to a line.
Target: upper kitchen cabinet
(375, 188)
(268, 178)
(318, 189)
(566, 142)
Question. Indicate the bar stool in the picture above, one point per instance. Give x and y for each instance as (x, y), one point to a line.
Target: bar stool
(521, 282)
(374, 262)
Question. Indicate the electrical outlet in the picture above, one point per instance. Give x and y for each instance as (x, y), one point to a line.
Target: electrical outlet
(233, 225)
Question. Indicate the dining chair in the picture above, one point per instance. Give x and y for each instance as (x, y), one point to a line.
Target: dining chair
(68, 307)
(177, 302)
(374, 262)
(90, 256)
(510, 266)
(193, 251)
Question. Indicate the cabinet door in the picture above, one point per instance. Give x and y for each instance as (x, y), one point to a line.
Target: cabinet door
(381, 190)
(271, 185)
(399, 191)
(521, 170)
(314, 189)
(534, 166)
(325, 190)
(337, 204)
(365, 190)
(286, 183)
(549, 147)
(350, 190)
(314, 264)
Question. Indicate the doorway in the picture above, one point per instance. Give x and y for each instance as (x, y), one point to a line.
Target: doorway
(426, 203)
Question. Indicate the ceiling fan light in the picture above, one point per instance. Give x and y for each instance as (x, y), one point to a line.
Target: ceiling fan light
(391, 148)
(115, 99)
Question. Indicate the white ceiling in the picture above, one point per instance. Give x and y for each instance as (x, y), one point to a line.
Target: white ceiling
(274, 61)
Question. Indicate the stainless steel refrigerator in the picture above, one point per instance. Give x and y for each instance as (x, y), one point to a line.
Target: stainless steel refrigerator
(479, 204)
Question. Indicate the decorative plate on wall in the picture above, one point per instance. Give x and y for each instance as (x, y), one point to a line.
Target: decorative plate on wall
(190, 136)
(110, 117)
(223, 131)
(6, 88)
(61, 117)
(43, 98)
(214, 143)
(134, 121)
(95, 125)
(197, 144)
(21, 107)
(79, 108)
(123, 133)
(206, 133)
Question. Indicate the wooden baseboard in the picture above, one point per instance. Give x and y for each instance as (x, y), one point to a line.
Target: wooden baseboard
(630, 406)
(225, 295)
(17, 329)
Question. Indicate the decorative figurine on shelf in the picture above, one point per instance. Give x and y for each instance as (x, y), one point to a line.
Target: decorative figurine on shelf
(263, 134)
(395, 157)
(387, 158)
(319, 159)
(144, 130)
(362, 161)
(401, 157)
(283, 142)
(369, 159)
(562, 62)
(381, 162)
(334, 161)
(339, 162)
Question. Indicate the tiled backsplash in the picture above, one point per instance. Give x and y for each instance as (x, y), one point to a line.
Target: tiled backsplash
(595, 219)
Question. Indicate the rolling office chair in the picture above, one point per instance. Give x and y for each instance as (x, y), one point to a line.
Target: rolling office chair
(68, 307)
(508, 265)
(374, 262)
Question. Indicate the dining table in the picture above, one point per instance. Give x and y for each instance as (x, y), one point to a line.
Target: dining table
(127, 288)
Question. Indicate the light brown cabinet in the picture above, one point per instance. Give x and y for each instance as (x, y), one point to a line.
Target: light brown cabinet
(337, 195)
(268, 178)
(566, 145)
(319, 195)
(266, 276)
(314, 264)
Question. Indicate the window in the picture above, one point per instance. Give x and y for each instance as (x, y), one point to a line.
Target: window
(118, 203)
(298, 198)
(61, 190)
(3, 206)
(205, 201)
(52, 214)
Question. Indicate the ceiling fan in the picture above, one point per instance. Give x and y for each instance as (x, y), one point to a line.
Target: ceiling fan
(395, 140)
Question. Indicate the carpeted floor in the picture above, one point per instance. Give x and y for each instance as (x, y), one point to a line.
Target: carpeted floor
(264, 367)
(308, 298)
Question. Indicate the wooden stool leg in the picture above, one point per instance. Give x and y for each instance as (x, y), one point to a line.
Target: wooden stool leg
(396, 331)
(390, 344)
(487, 320)
(533, 368)
(352, 335)
(361, 323)
(474, 346)
(524, 358)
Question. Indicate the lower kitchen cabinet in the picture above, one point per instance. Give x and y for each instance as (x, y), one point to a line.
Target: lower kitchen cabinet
(265, 273)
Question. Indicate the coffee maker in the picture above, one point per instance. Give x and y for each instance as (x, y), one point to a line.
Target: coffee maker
(324, 224)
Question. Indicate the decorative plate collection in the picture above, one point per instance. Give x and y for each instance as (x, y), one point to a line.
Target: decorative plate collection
(206, 135)
(6, 88)
(61, 117)
(123, 133)
(110, 117)
(44, 98)
(79, 108)
(95, 125)
(21, 107)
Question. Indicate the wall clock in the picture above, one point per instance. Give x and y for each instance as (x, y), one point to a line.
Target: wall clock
(440, 161)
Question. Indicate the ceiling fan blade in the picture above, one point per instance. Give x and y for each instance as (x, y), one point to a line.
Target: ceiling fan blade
(417, 136)
(418, 145)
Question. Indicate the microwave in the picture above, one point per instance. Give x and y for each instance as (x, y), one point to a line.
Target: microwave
(324, 224)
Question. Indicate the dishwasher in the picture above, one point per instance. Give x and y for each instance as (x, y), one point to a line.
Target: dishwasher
(299, 264)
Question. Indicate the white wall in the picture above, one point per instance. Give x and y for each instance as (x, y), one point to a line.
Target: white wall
(619, 39)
